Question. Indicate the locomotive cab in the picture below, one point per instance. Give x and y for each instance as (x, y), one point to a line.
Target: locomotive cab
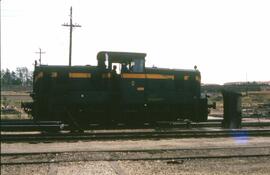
(124, 61)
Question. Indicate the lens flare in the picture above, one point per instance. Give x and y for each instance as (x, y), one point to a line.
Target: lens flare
(240, 137)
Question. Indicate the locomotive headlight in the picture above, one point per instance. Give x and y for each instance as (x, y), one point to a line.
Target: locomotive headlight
(198, 78)
(82, 95)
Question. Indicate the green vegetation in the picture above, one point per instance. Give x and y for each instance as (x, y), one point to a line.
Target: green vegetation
(22, 77)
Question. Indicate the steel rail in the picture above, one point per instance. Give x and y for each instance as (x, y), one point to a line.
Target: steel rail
(27, 121)
(109, 135)
(57, 125)
(170, 160)
(136, 150)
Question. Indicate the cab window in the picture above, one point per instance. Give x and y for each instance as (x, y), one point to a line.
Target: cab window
(137, 65)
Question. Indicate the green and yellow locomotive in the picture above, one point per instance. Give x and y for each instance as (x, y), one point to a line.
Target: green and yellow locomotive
(120, 89)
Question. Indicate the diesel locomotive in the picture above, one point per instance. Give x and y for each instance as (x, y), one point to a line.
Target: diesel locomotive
(120, 89)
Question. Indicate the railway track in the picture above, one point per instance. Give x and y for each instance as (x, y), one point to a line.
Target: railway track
(30, 125)
(172, 156)
(134, 134)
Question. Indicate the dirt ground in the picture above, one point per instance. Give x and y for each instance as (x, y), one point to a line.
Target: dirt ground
(11, 104)
(97, 164)
(133, 144)
(253, 104)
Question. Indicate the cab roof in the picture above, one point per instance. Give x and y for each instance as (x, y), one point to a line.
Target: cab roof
(120, 56)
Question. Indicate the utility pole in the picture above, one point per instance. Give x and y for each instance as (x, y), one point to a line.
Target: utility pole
(70, 25)
(247, 84)
(40, 53)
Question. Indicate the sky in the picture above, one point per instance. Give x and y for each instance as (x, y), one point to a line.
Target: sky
(228, 40)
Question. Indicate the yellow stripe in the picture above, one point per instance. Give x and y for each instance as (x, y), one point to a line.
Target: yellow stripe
(198, 78)
(106, 75)
(38, 76)
(148, 76)
(54, 74)
(79, 75)
(140, 88)
(159, 76)
(186, 77)
(133, 75)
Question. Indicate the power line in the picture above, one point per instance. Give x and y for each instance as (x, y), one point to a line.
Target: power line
(70, 25)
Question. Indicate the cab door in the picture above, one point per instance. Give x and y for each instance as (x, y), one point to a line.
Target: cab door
(133, 88)
(133, 83)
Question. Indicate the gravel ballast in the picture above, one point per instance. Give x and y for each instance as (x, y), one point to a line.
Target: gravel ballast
(195, 167)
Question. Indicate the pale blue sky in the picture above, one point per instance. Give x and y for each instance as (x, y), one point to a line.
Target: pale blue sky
(226, 39)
